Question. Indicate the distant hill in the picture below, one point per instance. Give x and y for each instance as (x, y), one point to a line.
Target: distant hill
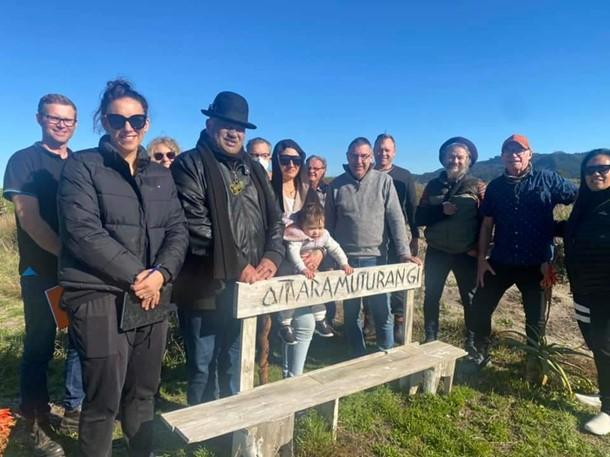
(568, 165)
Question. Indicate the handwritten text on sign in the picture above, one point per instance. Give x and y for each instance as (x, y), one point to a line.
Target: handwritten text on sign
(288, 292)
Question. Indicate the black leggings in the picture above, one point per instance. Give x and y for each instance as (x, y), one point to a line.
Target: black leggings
(597, 336)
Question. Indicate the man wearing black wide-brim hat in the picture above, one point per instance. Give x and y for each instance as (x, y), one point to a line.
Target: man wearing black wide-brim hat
(449, 209)
(235, 228)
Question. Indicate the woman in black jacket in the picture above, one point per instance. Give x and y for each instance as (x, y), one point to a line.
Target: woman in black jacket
(587, 250)
(124, 239)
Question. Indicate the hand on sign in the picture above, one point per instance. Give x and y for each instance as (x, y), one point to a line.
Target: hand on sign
(348, 269)
(265, 269)
(411, 259)
(248, 274)
(309, 273)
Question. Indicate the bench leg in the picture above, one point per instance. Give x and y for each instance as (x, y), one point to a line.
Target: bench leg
(432, 378)
(447, 377)
(270, 439)
(411, 383)
(330, 412)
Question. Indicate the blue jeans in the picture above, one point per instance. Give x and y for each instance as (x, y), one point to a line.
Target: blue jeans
(74, 393)
(211, 340)
(38, 345)
(294, 357)
(379, 305)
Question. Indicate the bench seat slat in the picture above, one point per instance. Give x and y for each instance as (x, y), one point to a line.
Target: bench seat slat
(279, 399)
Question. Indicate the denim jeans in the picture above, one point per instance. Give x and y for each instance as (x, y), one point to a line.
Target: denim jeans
(73, 387)
(211, 340)
(38, 345)
(294, 357)
(379, 305)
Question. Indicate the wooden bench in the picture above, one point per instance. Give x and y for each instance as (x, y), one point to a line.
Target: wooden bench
(263, 417)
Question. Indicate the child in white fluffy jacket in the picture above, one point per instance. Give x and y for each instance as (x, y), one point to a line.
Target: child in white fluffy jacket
(306, 234)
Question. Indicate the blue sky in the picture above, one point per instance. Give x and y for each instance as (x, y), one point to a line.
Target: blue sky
(322, 72)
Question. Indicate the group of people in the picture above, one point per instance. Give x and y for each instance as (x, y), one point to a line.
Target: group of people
(120, 226)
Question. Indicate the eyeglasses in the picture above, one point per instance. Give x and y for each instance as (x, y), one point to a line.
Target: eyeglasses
(509, 152)
(356, 157)
(601, 169)
(117, 121)
(171, 155)
(286, 160)
(316, 169)
(54, 120)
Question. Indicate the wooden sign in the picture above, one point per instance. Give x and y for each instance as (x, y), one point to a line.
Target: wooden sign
(296, 291)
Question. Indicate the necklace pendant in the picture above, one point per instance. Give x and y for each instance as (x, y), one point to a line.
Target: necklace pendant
(236, 187)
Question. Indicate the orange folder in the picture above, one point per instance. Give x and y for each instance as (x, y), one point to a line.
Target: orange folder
(54, 298)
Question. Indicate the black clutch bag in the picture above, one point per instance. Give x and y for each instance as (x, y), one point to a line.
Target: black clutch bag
(134, 316)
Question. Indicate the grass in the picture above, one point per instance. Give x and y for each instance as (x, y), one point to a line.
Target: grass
(491, 413)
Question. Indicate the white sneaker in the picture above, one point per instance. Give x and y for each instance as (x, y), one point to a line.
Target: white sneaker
(599, 425)
(589, 400)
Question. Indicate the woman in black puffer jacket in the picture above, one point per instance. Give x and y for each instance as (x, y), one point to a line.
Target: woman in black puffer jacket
(587, 248)
(124, 239)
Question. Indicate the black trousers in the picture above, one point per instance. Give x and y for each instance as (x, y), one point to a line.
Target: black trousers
(121, 374)
(527, 279)
(437, 266)
(597, 336)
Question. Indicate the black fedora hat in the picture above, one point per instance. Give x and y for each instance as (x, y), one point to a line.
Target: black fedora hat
(230, 106)
(474, 154)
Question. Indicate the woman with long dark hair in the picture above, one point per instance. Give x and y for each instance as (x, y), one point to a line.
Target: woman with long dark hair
(124, 238)
(286, 162)
(587, 250)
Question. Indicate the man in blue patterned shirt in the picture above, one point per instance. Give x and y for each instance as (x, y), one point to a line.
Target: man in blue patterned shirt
(519, 206)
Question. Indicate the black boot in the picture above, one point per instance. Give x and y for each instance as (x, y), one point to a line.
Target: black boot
(39, 441)
(469, 343)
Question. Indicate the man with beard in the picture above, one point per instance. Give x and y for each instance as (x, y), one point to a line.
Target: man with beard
(235, 227)
(449, 208)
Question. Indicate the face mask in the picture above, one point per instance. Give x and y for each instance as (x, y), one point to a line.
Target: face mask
(264, 162)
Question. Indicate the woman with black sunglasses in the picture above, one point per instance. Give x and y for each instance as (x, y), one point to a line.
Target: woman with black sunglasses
(587, 251)
(124, 238)
(163, 150)
(287, 181)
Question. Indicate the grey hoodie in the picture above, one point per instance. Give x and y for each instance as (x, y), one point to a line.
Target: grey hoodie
(360, 215)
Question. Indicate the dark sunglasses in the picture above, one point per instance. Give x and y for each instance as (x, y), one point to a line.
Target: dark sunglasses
(601, 169)
(117, 121)
(171, 155)
(296, 161)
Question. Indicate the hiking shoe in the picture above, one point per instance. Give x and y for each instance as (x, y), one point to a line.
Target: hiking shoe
(287, 335)
(39, 441)
(399, 329)
(69, 421)
(323, 329)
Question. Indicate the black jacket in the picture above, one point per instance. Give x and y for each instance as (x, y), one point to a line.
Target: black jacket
(114, 225)
(587, 251)
(256, 235)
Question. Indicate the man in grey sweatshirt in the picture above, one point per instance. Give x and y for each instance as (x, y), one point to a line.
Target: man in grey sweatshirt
(362, 210)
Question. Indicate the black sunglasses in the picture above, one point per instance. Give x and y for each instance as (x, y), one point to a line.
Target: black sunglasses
(171, 155)
(601, 169)
(117, 121)
(296, 161)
